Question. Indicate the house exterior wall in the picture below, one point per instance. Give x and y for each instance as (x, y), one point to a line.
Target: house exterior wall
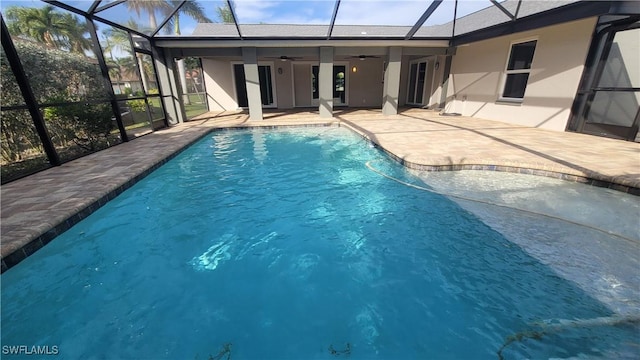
(218, 80)
(284, 84)
(365, 85)
(302, 80)
(477, 75)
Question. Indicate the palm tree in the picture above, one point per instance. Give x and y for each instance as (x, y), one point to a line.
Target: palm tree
(224, 14)
(150, 7)
(48, 26)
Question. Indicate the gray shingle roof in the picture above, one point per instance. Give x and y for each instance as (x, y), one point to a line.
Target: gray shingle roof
(479, 20)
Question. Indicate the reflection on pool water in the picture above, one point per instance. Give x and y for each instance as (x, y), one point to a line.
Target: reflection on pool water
(283, 244)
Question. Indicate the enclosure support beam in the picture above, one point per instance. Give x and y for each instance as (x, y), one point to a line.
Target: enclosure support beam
(392, 82)
(252, 78)
(107, 82)
(27, 93)
(325, 82)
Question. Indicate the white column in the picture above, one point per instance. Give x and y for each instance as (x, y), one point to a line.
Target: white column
(250, 59)
(325, 82)
(392, 82)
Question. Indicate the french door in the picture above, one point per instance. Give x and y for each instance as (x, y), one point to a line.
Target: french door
(266, 86)
(339, 84)
(417, 78)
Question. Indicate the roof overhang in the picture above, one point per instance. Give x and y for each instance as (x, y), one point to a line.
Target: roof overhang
(186, 43)
(570, 12)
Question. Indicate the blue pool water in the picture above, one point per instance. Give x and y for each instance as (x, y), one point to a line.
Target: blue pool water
(282, 244)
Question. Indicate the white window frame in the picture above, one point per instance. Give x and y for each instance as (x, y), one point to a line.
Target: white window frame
(508, 72)
(426, 69)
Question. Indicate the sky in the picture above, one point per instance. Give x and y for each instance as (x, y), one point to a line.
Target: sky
(351, 12)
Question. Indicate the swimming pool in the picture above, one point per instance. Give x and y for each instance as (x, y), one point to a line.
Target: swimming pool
(282, 244)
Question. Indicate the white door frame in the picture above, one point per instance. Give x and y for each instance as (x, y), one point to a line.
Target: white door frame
(271, 65)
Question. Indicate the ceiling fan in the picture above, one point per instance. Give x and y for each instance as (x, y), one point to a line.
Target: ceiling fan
(284, 58)
(364, 57)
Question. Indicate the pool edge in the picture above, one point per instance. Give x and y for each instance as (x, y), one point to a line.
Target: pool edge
(39, 241)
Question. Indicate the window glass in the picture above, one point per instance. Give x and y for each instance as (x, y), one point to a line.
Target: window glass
(521, 55)
(515, 85)
(518, 69)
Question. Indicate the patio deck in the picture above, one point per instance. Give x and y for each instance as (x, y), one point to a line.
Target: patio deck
(37, 208)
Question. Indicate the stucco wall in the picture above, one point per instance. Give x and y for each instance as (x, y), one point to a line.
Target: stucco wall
(477, 73)
(218, 80)
(284, 84)
(302, 78)
(365, 85)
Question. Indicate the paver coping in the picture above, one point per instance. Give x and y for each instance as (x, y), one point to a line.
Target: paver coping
(37, 208)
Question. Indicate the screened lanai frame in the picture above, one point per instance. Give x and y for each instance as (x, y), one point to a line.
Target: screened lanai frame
(456, 29)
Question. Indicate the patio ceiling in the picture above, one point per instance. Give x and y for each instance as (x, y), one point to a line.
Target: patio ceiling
(315, 19)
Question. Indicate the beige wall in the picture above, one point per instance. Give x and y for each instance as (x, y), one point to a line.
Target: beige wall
(284, 84)
(302, 78)
(477, 71)
(218, 79)
(365, 85)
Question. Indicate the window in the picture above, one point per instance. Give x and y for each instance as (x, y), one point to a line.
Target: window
(518, 69)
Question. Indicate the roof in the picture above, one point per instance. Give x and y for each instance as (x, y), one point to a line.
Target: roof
(479, 20)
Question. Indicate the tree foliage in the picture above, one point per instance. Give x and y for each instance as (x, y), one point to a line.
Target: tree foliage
(56, 77)
(48, 26)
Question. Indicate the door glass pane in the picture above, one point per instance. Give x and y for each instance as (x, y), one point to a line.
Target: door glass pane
(521, 55)
(413, 73)
(614, 108)
(515, 85)
(315, 74)
(339, 83)
(266, 92)
(422, 72)
(241, 86)
(622, 67)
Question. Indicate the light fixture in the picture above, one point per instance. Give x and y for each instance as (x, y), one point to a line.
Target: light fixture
(354, 69)
(437, 65)
(280, 70)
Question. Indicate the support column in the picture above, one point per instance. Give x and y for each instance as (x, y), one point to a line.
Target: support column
(445, 82)
(325, 82)
(250, 59)
(164, 86)
(392, 82)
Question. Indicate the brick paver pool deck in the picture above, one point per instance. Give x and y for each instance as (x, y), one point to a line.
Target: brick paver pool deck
(37, 208)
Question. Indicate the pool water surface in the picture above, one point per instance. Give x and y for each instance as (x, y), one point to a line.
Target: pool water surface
(282, 244)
